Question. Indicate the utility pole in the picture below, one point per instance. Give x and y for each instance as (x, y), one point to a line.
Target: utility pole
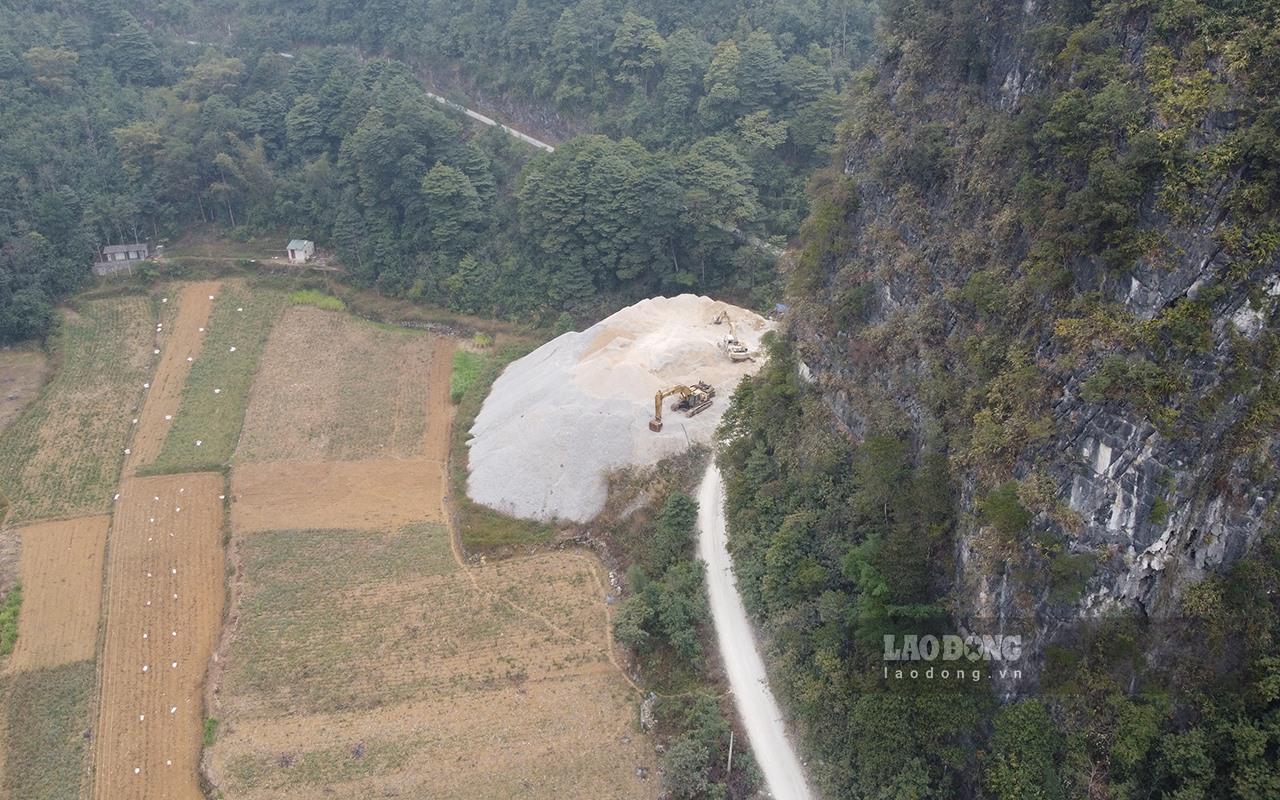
(728, 770)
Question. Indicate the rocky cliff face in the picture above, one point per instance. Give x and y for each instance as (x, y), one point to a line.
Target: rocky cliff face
(1061, 263)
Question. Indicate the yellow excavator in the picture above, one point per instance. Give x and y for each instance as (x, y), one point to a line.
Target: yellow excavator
(693, 400)
(734, 349)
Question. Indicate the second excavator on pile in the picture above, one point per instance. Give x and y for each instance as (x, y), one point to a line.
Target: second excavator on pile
(730, 345)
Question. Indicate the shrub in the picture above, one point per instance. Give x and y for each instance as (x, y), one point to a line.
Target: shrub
(210, 731)
(684, 767)
(1002, 510)
(9, 619)
(1068, 575)
(314, 297)
(1159, 512)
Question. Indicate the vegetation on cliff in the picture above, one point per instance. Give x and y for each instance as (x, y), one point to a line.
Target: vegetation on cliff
(1046, 217)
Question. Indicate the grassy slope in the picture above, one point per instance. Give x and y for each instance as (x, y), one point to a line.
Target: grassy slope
(466, 367)
(216, 419)
(62, 457)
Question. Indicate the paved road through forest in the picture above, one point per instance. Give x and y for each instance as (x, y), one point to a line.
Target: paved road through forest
(757, 708)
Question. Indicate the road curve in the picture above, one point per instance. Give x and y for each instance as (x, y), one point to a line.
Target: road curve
(757, 708)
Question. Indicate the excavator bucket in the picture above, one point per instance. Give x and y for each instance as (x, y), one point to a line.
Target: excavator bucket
(655, 425)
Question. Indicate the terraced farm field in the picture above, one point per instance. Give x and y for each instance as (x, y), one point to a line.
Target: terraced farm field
(22, 375)
(181, 341)
(364, 659)
(333, 387)
(375, 494)
(163, 614)
(361, 657)
(44, 714)
(366, 663)
(62, 456)
(213, 398)
(61, 602)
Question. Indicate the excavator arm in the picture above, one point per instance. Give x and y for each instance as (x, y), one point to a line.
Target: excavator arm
(681, 390)
(693, 400)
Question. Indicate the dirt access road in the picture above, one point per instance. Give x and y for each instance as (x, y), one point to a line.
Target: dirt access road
(761, 716)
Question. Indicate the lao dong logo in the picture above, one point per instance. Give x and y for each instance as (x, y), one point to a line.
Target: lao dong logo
(951, 657)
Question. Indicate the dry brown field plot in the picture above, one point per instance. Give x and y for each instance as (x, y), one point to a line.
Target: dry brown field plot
(376, 494)
(163, 612)
(61, 574)
(333, 387)
(22, 374)
(366, 663)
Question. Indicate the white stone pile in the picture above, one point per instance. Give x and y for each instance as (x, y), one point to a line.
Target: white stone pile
(559, 419)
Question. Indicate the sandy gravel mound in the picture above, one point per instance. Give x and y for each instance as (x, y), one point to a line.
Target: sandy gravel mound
(563, 416)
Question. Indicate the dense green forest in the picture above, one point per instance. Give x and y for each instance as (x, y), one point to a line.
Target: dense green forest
(116, 127)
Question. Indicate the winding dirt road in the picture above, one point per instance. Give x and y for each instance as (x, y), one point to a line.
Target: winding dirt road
(761, 716)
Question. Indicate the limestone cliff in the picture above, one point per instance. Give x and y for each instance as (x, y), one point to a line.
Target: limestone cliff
(1052, 251)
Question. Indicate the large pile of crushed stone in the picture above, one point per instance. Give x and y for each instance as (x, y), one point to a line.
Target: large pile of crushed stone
(559, 419)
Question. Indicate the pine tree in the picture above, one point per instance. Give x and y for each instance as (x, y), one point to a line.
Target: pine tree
(761, 70)
(134, 56)
(720, 105)
(521, 34)
(452, 207)
(304, 129)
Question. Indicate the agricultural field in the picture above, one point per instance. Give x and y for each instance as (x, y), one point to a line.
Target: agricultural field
(61, 571)
(213, 398)
(44, 716)
(364, 657)
(184, 316)
(62, 456)
(22, 375)
(336, 388)
(374, 494)
(365, 663)
(163, 614)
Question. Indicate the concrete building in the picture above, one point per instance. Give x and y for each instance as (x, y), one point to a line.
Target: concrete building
(120, 258)
(301, 251)
(125, 252)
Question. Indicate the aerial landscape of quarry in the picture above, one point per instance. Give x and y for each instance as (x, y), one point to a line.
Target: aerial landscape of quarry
(611, 399)
(269, 482)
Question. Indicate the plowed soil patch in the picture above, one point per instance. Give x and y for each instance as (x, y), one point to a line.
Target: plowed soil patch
(164, 608)
(181, 347)
(61, 570)
(378, 494)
